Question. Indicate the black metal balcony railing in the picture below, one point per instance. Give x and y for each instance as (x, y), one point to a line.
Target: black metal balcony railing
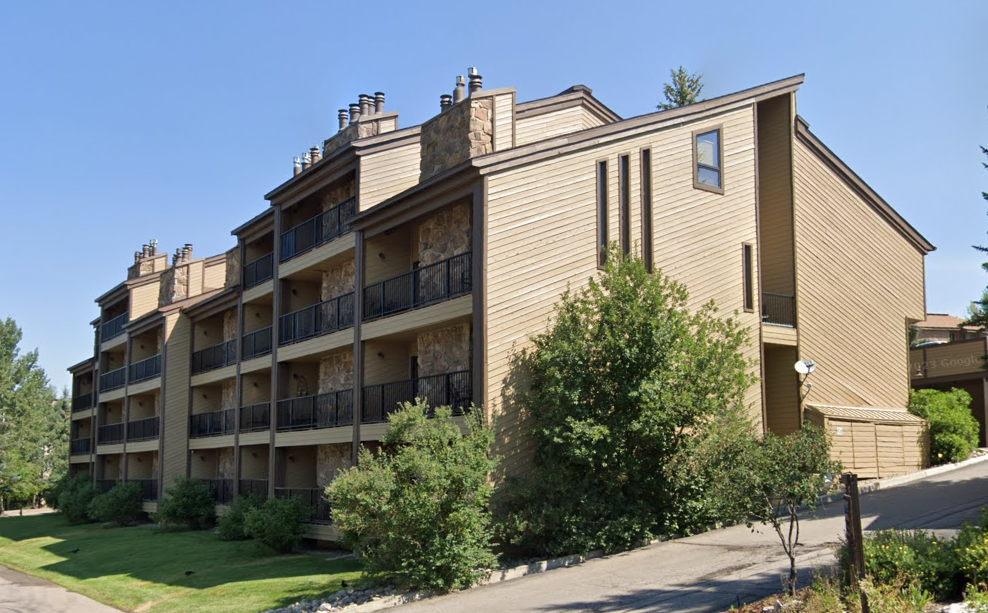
(149, 488)
(114, 379)
(216, 423)
(322, 511)
(316, 320)
(214, 357)
(319, 411)
(779, 310)
(145, 369)
(254, 487)
(113, 328)
(82, 402)
(322, 228)
(255, 417)
(143, 429)
(110, 434)
(259, 271)
(257, 343)
(105, 485)
(454, 389)
(82, 445)
(423, 286)
(221, 489)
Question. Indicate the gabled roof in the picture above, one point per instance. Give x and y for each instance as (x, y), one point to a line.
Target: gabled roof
(943, 321)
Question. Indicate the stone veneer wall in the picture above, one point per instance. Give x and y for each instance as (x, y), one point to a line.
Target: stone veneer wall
(174, 285)
(336, 372)
(337, 281)
(463, 131)
(228, 395)
(233, 267)
(444, 350)
(445, 234)
(330, 460)
(229, 326)
(224, 463)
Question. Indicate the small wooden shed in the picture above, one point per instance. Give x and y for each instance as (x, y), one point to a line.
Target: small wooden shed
(874, 443)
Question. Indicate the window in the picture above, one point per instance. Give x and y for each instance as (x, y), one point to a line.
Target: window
(601, 213)
(708, 153)
(624, 186)
(647, 208)
(749, 281)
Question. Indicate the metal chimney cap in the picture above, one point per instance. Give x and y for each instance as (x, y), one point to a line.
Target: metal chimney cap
(472, 71)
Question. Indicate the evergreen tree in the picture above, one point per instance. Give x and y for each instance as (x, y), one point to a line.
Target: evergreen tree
(684, 89)
(33, 423)
(979, 310)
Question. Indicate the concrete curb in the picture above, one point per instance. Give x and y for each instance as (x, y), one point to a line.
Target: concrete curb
(884, 484)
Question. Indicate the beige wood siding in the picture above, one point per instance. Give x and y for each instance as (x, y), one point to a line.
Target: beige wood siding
(387, 173)
(385, 362)
(775, 230)
(591, 119)
(175, 424)
(546, 125)
(196, 277)
(961, 358)
(858, 281)
(388, 256)
(504, 112)
(542, 236)
(143, 300)
(781, 390)
(215, 276)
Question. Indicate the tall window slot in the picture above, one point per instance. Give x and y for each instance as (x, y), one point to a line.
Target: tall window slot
(624, 185)
(749, 282)
(601, 213)
(647, 208)
(708, 154)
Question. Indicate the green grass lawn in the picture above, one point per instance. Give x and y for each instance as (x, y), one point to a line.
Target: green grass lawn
(142, 569)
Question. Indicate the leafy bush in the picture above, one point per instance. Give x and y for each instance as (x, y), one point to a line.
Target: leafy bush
(121, 505)
(417, 510)
(278, 523)
(953, 429)
(893, 556)
(971, 545)
(189, 504)
(53, 493)
(617, 387)
(75, 497)
(232, 526)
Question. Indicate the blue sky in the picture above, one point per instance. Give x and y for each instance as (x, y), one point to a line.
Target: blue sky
(125, 121)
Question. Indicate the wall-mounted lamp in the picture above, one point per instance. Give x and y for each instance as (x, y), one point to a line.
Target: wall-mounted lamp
(253, 454)
(291, 459)
(202, 458)
(205, 332)
(255, 383)
(381, 255)
(294, 292)
(139, 460)
(205, 396)
(380, 354)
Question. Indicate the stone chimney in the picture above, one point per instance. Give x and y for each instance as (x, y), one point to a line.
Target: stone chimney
(344, 119)
(314, 154)
(378, 103)
(476, 81)
(298, 166)
(354, 113)
(187, 252)
(459, 92)
(146, 261)
(445, 101)
(306, 161)
(366, 109)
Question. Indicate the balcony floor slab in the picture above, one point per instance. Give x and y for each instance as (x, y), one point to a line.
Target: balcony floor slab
(211, 442)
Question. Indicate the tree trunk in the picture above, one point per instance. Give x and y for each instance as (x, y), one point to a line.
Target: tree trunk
(791, 585)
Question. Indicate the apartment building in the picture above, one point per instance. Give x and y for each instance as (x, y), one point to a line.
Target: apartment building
(405, 262)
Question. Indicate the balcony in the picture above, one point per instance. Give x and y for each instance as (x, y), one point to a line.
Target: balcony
(254, 487)
(105, 485)
(257, 343)
(149, 488)
(114, 379)
(779, 310)
(113, 328)
(454, 389)
(110, 434)
(221, 489)
(312, 412)
(145, 369)
(80, 446)
(216, 423)
(214, 357)
(421, 287)
(255, 417)
(312, 497)
(316, 320)
(259, 271)
(82, 402)
(320, 229)
(143, 430)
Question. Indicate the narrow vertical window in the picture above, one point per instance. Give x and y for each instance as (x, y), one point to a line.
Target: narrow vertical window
(749, 279)
(647, 208)
(601, 213)
(708, 154)
(624, 186)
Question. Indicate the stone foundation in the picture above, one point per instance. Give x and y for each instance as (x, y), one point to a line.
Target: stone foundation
(330, 460)
(336, 372)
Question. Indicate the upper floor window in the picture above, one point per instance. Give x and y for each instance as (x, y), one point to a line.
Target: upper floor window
(708, 156)
(624, 187)
(602, 216)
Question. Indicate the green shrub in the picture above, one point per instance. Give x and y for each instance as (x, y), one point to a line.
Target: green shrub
(417, 511)
(121, 505)
(953, 429)
(893, 555)
(75, 497)
(971, 545)
(278, 524)
(613, 390)
(187, 504)
(977, 598)
(232, 526)
(53, 493)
